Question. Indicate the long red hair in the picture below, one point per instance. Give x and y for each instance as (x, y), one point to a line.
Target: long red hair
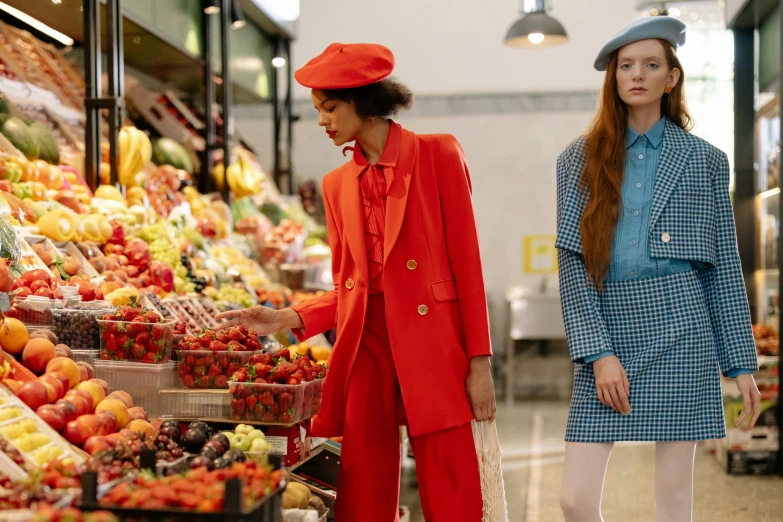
(604, 169)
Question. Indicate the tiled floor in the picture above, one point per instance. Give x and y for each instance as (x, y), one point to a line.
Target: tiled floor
(533, 484)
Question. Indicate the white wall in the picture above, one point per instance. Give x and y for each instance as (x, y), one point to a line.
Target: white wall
(446, 46)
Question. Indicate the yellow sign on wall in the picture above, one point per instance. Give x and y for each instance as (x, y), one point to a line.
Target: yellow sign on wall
(539, 254)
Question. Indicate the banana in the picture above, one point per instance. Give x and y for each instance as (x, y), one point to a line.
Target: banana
(127, 148)
(144, 151)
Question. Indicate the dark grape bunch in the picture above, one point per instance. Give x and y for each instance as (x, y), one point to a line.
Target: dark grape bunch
(199, 282)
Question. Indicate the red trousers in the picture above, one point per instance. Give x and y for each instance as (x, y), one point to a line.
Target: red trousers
(369, 482)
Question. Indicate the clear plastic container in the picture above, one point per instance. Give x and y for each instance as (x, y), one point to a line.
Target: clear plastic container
(88, 356)
(78, 328)
(148, 343)
(206, 369)
(196, 404)
(136, 377)
(36, 311)
(278, 404)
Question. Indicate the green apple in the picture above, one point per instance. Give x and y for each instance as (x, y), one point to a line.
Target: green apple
(242, 442)
(259, 445)
(243, 429)
(256, 434)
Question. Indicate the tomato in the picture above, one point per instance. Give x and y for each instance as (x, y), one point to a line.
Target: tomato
(38, 284)
(57, 294)
(19, 283)
(23, 292)
(37, 275)
(45, 292)
(87, 291)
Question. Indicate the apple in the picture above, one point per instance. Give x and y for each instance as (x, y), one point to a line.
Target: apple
(38, 284)
(44, 292)
(95, 390)
(117, 407)
(144, 427)
(51, 392)
(242, 442)
(87, 371)
(108, 422)
(59, 381)
(102, 383)
(243, 429)
(67, 367)
(53, 416)
(37, 354)
(96, 444)
(82, 405)
(256, 434)
(78, 431)
(68, 409)
(138, 413)
(34, 394)
(82, 393)
(259, 445)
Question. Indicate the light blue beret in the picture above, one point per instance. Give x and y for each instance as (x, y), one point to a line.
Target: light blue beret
(658, 27)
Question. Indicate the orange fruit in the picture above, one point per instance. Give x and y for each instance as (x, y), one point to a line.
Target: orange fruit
(13, 336)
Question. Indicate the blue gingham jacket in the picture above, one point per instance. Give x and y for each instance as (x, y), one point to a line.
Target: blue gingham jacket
(691, 219)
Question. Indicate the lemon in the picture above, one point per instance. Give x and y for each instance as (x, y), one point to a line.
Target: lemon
(109, 192)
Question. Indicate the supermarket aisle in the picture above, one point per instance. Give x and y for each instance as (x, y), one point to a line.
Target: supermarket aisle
(532, 437)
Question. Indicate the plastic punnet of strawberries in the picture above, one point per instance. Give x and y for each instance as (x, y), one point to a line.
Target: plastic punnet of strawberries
(268, 389)
(198, 489)
(211, 358)
(136, 334)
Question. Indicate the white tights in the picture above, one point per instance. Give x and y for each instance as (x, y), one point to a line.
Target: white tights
(585, 469)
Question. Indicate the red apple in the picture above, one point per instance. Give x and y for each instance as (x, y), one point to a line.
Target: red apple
(51, 393)
(68, 409)
(82, 405)
(53, 416)
(84, 394)
(19, 284)
(38, 284)
(108, 422)
(59, 381)
(96, 444)
(44, 292)
(103, 383)
(78, 431)
(34, 394)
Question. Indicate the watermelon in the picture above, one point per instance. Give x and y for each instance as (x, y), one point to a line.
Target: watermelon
(18, 133)
(50, 152)
(166, 151)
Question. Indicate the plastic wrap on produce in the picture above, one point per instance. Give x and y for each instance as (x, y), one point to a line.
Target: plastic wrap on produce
(9, 243)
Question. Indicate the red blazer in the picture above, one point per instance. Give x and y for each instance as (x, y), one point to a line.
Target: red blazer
(436, 305)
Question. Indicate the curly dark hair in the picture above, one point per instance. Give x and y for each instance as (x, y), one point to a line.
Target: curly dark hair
(382, 99)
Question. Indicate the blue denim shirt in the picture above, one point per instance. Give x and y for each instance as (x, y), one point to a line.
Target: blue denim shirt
(631, 258)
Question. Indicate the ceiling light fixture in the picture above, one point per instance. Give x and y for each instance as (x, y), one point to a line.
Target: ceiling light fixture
(237, 20)
(536, 28)
(278, 61)
(35, 24)
(211, 7)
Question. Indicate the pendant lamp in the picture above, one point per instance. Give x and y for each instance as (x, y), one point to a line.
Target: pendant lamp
(536, 28)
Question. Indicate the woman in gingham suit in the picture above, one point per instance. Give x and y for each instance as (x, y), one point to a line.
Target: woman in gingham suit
(652, 292)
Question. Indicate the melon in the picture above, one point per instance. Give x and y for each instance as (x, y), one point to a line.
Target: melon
(49, 151)
(166, 151)
(18, 133)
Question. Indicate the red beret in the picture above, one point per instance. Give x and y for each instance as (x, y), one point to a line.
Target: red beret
(345, 66)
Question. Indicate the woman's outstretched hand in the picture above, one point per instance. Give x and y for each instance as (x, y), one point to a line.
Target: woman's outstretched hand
(752, 399)
(264, 320)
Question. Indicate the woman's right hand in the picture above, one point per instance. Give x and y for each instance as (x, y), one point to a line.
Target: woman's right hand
(262, 319)
(612, 384)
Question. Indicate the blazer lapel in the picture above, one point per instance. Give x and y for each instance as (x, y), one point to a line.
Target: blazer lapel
(675, 153)
(353, 216)
(397, 197)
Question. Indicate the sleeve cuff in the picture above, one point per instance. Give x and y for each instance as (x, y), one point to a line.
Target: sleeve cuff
(600, 355)
(739, 371)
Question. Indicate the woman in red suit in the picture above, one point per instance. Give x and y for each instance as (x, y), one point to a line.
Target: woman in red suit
(409, 304)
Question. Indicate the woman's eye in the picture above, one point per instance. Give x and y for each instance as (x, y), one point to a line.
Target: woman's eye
(653, 66)
(625, 66)
(330, 109)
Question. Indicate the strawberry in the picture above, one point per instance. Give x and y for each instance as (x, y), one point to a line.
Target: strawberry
(251, 402)
(238, 406)
(275, 409)
(283, 354)
(217, 346)
(232, 368)
(266, 398)
(236, 335)
(202, 382)
(259, 412)
(223, 361)
(143, 338)
(128, 313)
(283, 371)
(240, 376)
(221, 381)
(243, 330)
(285, 418)
(253, 345)
(122, 355)
(190, 360)
(260, 380)
(286, 400)
(262, 370)
(214, 371)
(152, 317)
(105, 356)
(222, 337)
(257, 358)
(268, 416)
(109, 317)
(150, 358)
(189, 339)
(293, 382)
(184, 370)
(158, 332)
(204, 340)
(111, 343)
(235, 346)
(139, 351)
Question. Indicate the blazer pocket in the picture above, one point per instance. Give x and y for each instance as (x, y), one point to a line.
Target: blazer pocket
(445, 290)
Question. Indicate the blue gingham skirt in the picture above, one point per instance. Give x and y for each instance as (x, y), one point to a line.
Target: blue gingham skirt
(660, 330)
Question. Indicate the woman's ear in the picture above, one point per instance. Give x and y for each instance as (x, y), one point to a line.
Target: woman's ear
(674, 77)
